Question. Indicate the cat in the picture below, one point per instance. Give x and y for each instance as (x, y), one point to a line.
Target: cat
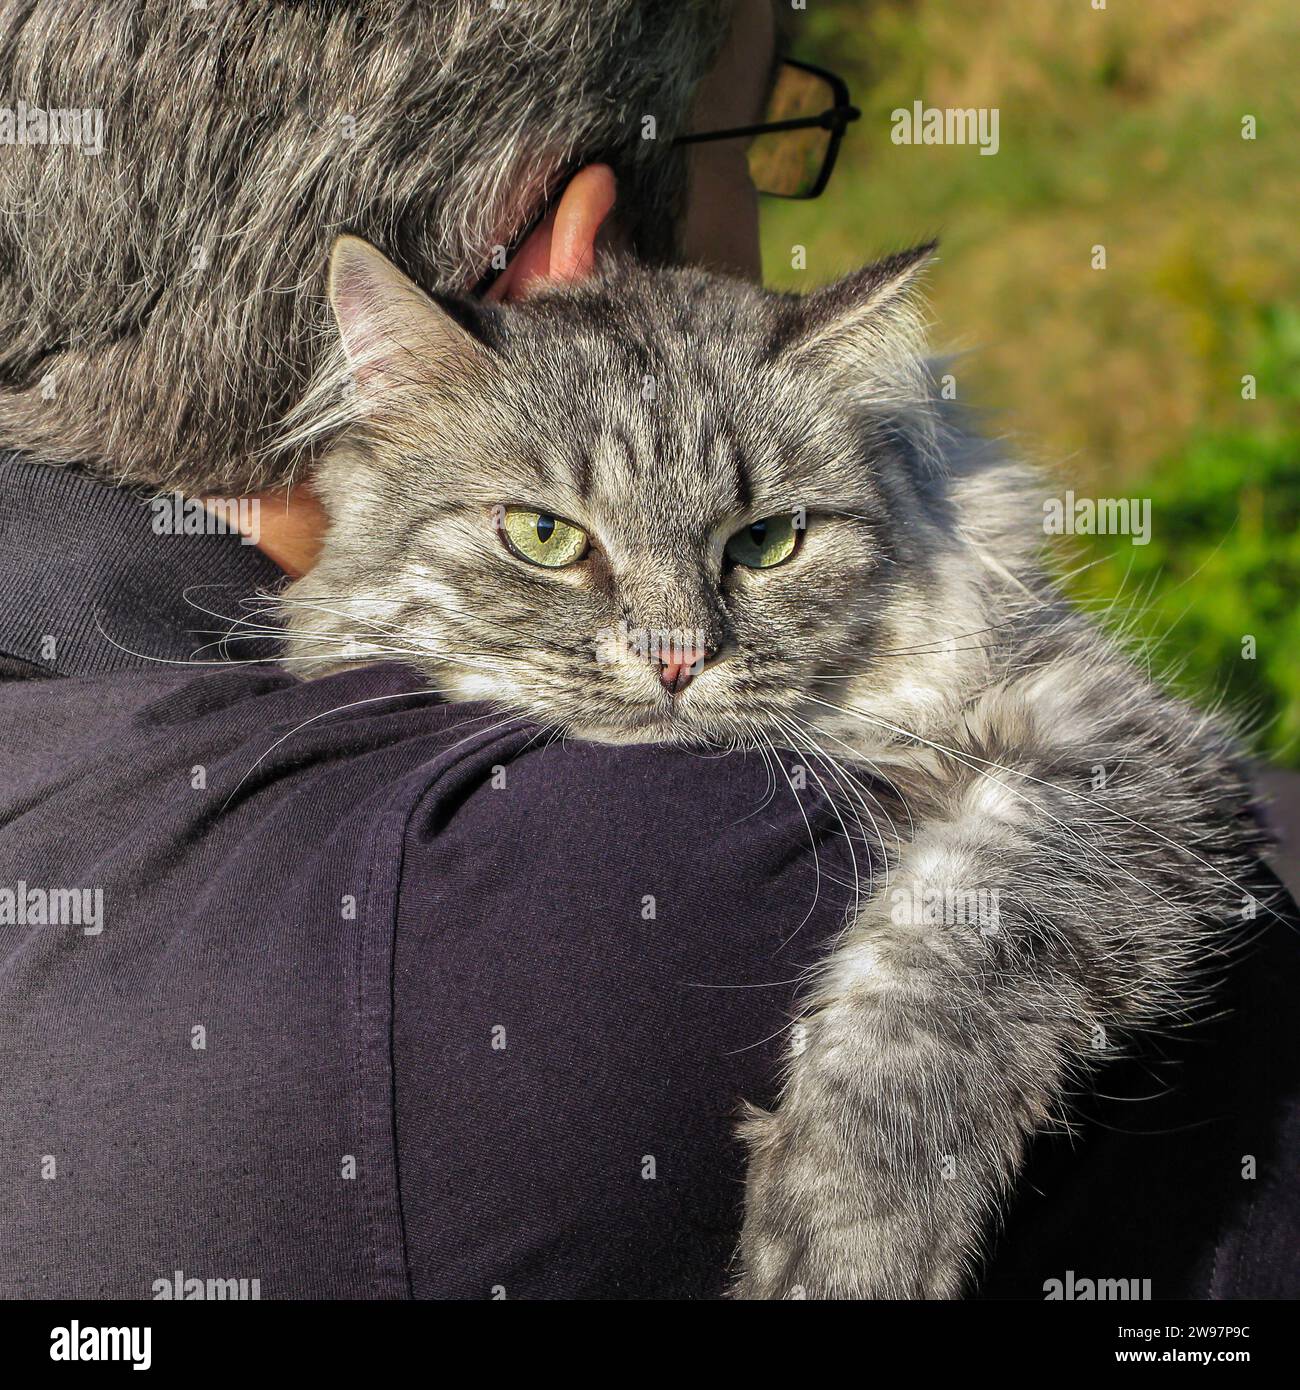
(665, 505)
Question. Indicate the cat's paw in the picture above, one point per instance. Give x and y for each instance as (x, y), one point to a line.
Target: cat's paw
(801, 1236)
(823, 1222)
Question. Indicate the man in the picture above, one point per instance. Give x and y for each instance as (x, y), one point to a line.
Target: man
(310, 985)
(324, 989)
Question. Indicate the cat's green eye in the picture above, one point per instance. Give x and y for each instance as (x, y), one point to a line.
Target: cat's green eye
(543, 539)
(765, 543)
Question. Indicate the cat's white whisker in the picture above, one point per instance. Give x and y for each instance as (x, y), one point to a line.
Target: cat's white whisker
(970, 760)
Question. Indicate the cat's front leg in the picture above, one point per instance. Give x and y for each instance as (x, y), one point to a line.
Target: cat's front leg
(931, 1052)
(1078, 849)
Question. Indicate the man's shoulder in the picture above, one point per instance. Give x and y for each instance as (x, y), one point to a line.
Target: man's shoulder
(370, 758)
(239, 738)
(298, 904)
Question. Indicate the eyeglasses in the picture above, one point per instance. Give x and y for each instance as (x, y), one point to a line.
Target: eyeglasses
(792, 151)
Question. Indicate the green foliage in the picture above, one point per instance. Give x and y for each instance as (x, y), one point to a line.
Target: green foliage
(1217, 586)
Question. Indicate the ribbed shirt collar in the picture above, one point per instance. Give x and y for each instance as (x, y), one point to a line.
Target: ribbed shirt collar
(88, 584)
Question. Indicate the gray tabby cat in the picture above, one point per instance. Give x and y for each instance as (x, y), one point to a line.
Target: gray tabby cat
(673, 507)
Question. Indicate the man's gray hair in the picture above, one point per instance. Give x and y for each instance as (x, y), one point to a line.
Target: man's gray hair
(162, 300)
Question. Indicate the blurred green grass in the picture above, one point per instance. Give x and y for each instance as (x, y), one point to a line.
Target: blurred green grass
(1120, 127)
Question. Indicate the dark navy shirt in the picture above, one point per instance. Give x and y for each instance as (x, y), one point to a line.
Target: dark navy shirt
(334, 987)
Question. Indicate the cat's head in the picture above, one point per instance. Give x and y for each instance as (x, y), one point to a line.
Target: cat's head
(661, 505)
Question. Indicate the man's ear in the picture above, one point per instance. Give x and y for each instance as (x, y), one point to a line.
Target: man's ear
(393, 334)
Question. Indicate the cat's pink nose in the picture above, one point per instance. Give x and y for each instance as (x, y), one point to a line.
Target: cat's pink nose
(686, 663)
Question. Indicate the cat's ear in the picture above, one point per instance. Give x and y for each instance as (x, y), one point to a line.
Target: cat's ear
(866, 335)
(864, 320)
(394, 335)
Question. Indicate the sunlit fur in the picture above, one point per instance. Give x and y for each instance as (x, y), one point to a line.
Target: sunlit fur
(911, 654)
(661, 413)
